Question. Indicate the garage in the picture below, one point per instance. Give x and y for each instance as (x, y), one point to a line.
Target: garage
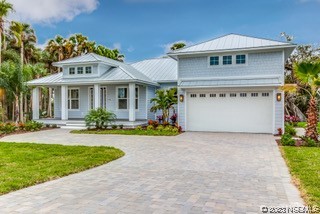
(247, 111)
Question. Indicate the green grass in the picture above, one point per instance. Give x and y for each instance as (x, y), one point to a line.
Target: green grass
(26, 164)
(304, 165)
(127, 132)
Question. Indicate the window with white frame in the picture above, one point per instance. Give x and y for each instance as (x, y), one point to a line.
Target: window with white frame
(241, 59)
(91, 98)
(137, 98)
(123, 98)
(73, 98)
(214, 60)
(79, 70)
(72, 71)
(103, 97)
(88, 70)
(227, 60)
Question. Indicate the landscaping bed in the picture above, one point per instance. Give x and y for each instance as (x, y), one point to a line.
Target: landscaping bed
(304, 165)
(27, 164)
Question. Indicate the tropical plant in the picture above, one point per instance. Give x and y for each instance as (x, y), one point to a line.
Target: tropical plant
(177, 46)
(33, 126)
(308, 74)
(289, 129)
(5, 9)
(287, 140)
(164, 101)
(99, 118)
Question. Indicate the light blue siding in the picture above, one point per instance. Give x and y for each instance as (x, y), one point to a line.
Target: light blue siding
(57, 102)
(268, 63)
(150, 94)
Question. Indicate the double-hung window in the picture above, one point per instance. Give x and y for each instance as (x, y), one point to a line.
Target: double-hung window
(122, 98)
(227, 60)
(73, 99)
(137, 98)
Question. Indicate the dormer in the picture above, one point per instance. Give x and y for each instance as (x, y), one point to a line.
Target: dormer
(86, 66)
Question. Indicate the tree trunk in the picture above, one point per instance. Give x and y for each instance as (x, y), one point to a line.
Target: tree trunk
(21, 107)
(312, 119)
(49, 103)
(16, 109)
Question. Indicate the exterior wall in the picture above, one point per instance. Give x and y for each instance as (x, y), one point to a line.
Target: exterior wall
(141, 113)
(267, 63)
(150, 94)
(279, 111)
(182, 109)
(168, 85)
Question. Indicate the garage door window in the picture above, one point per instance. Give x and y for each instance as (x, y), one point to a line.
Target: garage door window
(254, 94)
(213, 95)
(233, 95)
(222, 95)
(265, 94)
(193, 95)
(243, 94)
(202, 95)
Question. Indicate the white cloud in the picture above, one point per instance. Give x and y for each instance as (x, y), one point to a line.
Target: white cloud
(117, 45)
(169, 45)
(50, 11)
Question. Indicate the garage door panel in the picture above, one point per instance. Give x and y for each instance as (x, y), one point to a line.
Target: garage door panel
(230, 114)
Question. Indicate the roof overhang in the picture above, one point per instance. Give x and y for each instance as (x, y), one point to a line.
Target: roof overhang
(61, 64)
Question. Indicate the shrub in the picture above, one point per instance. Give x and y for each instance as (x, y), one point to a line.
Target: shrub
(33, 126)
(309, 142)
(114, 126)
(99, 118)
(155, 123)
(291, 119)
(47, 125)
(121, 126)
(159, 118)
(168, 128)
(150, 122)
(287, 140)
(139, 128)
(289, 129)
(173, 118)
(54, 126)
(280, 132)
(175, 130)
(8, 128)
(150, 127)
(165, 123)
(160, 128)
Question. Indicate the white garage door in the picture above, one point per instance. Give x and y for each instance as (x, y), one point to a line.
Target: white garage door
(230, 112)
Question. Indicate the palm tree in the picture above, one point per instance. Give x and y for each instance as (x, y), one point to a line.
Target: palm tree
(308, 73)
(5, 9)
(164, 101)
(177, 46)
(22, 33)
(56, 47)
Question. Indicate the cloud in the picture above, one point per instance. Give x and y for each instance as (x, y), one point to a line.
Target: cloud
(167, 46)
(130, 49)
(117, 45)
(50, 11)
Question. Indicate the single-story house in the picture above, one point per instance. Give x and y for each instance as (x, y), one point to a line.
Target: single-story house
(227, 84)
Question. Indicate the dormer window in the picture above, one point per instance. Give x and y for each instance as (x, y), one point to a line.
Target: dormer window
(227, 60)
(80, 70)
(88, 70)
(72, 71)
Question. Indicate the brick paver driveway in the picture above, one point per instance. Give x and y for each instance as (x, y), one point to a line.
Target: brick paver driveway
(190, 173)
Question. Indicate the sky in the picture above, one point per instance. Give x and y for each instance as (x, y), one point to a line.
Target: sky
(144, 29)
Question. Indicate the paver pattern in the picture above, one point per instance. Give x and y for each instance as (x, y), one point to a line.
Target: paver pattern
(194, 172)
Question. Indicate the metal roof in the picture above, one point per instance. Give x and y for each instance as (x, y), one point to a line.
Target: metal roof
(268, 81)
(163, 69)
(113, 75)
(232, 42)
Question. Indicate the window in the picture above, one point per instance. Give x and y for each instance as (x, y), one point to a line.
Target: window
(137, 98)
(243, 94)
(80, 70)
(122, 98)
(265, 94)
(213, 95)
(91, 98)
(214, 60)
(103, 97)
(241, 59)
(73, 99)
(227, 60)
(72, 71)
(222, 95)
(88, 70)
(233, 94)
(202, 95)
(193, 95)
(254, 94)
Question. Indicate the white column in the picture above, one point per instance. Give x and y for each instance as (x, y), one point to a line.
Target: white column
(96, 96)
(35, 103)
(64, 102)
(132, 98)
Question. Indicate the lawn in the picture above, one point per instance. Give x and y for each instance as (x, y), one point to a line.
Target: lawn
(127, 132)
(27, 164)
(304, 165)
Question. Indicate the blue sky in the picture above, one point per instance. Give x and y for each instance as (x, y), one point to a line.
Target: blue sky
(145, 28)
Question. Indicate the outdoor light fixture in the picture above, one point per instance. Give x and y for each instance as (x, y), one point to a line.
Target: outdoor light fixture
(278, 97)
(181, 98)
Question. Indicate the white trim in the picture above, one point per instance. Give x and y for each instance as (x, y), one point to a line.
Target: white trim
(104, 96)
(274, 111)
(185, 110)
(232, 77)
(89, 98)
(229, 86)
(147, 101)
(117, 98)
(233, 64)
(85, 68)
(69, 103)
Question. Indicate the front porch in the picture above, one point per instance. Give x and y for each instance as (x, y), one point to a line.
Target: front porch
(80, 123)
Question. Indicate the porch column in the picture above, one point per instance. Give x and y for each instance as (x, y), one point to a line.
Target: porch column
(96, 96)
(64, 102)
(132, 102)
(35, 103)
